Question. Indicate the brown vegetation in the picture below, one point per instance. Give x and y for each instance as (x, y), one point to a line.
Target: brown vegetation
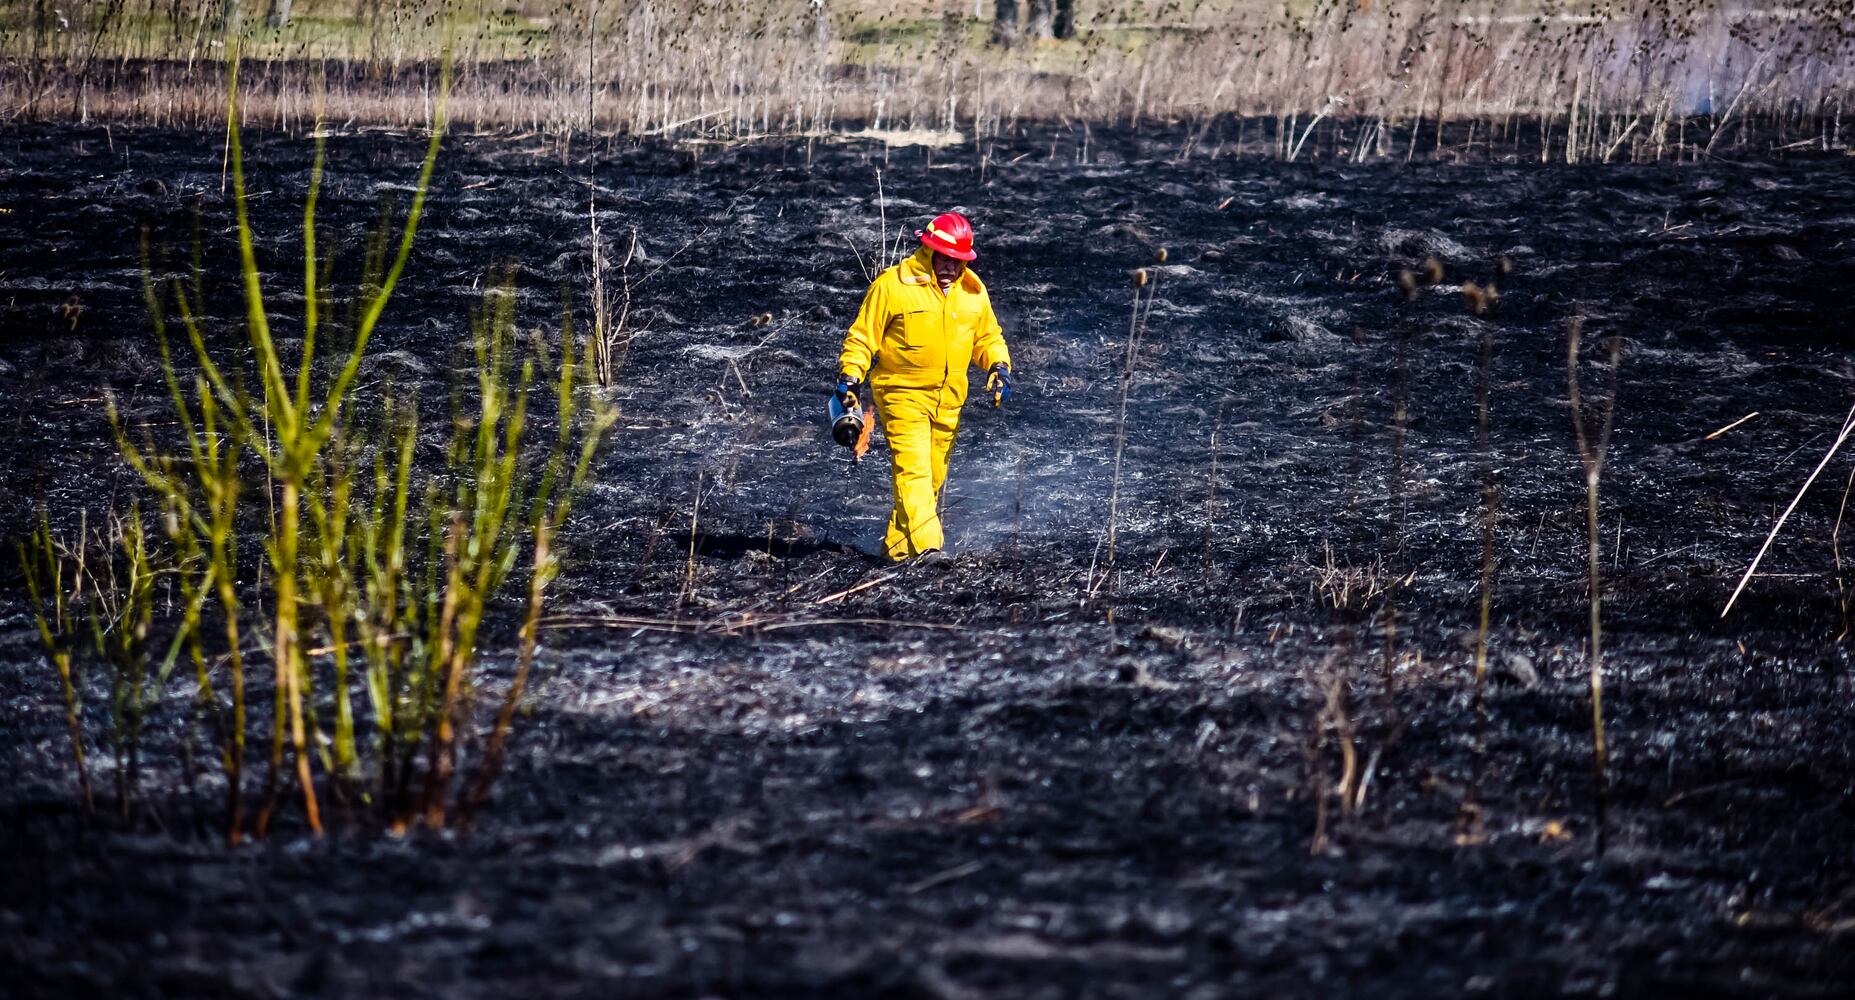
(1595, 83)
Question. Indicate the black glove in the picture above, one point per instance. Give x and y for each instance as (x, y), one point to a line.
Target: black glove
(998, 383)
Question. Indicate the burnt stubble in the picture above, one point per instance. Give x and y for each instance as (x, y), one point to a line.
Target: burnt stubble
(962, 780)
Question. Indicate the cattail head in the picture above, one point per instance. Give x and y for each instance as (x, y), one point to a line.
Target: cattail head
(1140, 277)
(760, 320)
(1503, 265)
(1160, 257)
(1432, 271)
(1407, 283)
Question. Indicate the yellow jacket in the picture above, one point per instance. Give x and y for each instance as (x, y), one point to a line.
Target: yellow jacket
(910, 336)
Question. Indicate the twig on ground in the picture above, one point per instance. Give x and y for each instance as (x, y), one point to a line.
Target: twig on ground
(865, 585)
(953, 874)
(723, 626)
(1842, 437)
(1730, 426)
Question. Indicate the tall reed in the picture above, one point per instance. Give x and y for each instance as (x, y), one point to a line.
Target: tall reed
(1409, 285)
(1482, 301)
(1145, 280)
(1593, 452)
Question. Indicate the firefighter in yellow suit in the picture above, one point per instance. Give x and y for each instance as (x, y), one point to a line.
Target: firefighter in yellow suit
(922, 322)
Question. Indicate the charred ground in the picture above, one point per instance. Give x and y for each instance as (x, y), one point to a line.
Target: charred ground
(965, 782)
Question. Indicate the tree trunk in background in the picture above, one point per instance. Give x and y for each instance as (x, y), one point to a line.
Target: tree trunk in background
(280, 12)
(1005, 23)
(231, 15)
(1039, 20)
(1065, 19)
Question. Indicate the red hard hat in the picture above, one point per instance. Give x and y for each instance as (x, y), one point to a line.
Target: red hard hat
(950, 234)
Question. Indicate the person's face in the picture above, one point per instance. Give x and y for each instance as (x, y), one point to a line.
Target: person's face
(947, 269)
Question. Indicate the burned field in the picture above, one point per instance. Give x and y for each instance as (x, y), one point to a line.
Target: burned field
(757, 761)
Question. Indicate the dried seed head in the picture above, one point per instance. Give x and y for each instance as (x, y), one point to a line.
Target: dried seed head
(1432, 271)
(1140, 277)
(1160, 257)
(1503, 265)
(1475, 298)
(1407, 283)
(760, 320)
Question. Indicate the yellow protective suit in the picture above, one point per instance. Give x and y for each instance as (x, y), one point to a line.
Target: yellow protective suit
(911, 344)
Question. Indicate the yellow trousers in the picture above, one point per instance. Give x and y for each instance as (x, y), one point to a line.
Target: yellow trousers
(920, 425)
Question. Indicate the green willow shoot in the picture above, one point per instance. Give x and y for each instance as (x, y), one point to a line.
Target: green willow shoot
(373, 637)
(120, 613)
(54, 611)
(288, 426)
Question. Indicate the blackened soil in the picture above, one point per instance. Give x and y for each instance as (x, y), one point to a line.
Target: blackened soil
(962, 780)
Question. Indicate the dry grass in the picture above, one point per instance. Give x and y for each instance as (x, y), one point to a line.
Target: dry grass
(1586, 83)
